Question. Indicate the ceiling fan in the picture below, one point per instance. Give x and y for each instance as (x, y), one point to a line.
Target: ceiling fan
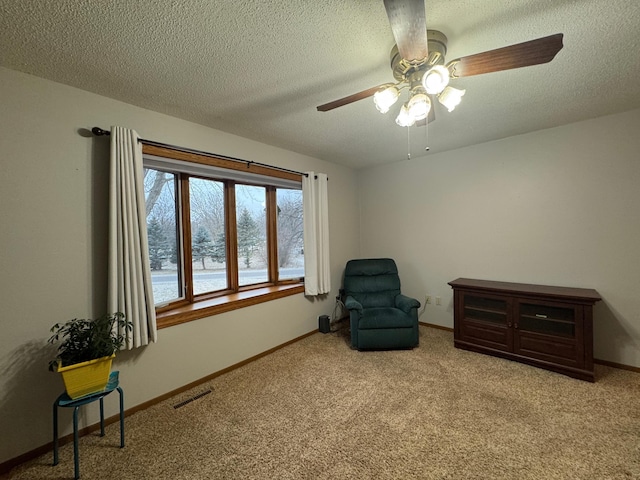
(418, 64)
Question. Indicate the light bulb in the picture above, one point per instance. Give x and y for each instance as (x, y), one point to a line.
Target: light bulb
(451, 97)
(404, 119)
(419, 105)
(436, 79)
(385, 97)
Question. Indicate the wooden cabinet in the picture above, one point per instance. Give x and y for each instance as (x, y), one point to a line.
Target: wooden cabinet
(545, 326)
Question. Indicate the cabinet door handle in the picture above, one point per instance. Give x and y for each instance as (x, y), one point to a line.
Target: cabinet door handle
(509, 324)
(515, 326)
(539, 315)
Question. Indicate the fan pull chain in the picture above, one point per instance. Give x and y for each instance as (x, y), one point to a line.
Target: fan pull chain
(426, 148)
(408, 143)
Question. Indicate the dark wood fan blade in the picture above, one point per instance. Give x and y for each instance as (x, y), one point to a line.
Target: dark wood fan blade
(409, 26)
(350, 99)
(533, 52)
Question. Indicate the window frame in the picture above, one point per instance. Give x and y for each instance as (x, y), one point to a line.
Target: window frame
(193, 307)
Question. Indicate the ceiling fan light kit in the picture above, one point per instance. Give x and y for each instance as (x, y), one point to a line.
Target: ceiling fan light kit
(419, 105)
(422, 76)
(404, 119)
(436, 79)
(386, 97)
(418, 62)
(451, 97)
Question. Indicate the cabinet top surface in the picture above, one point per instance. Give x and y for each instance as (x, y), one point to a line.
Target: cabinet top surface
(584, 294)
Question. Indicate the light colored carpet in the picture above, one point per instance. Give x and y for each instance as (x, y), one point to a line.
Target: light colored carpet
(319, 410)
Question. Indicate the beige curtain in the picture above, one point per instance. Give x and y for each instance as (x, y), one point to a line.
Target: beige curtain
(129, 284)
(315, 205)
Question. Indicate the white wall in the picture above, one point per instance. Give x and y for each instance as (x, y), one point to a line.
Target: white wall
(53, 211)
(554, 207)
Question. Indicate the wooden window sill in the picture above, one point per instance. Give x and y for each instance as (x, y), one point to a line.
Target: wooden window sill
(225, 303)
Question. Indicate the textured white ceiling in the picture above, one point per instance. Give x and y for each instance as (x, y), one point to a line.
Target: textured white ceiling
(259, 68)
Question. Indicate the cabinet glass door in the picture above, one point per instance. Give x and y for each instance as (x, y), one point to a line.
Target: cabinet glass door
(550, 320)
(485, 309)
(485, 321)
(549, 331)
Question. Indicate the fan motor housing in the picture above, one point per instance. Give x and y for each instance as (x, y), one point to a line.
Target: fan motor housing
(437, 44)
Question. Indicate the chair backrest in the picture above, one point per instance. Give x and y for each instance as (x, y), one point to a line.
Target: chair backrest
(374, 282)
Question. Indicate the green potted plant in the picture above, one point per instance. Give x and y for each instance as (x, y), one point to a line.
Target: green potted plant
(86, 350)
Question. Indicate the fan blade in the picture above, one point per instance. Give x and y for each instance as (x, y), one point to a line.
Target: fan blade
(409, 26)
(533, 52)
(430, 118)
(350, 99)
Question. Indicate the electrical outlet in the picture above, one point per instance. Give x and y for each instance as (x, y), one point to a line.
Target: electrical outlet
(427, 299)
(438, 301)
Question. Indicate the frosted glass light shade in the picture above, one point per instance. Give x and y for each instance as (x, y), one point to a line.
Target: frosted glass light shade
(436, 79)
(385, 98)
(404, 119)
(451, 97)
(419, 105)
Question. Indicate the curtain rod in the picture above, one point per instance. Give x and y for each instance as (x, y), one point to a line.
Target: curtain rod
(99, 132)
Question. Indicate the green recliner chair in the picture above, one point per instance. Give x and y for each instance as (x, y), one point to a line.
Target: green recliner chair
(380, 316)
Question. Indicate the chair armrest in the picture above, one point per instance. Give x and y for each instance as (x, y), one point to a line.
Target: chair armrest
(405, 303)
(352, 304)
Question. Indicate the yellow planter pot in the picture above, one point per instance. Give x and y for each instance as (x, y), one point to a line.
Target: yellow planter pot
(84, 378)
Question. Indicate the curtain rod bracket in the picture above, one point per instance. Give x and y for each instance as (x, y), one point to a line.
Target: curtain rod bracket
(100, 132)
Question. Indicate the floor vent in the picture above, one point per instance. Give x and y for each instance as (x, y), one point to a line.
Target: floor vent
(189, 400)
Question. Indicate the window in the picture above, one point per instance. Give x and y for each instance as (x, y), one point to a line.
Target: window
(221, 235)
(290, 247)
(208, 235)
(163, 232)
(251, 227)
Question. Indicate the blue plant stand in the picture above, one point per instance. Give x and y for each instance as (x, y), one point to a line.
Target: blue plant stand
(65, 401)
